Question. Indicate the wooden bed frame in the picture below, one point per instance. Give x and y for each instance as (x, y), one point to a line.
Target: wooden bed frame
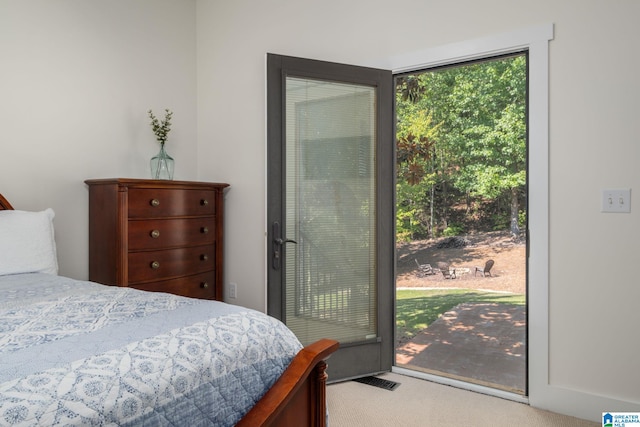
(298, 398)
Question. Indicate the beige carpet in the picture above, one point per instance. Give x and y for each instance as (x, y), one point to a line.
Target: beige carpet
(418, 402)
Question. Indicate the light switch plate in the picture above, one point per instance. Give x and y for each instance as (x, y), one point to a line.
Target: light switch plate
(618, 200)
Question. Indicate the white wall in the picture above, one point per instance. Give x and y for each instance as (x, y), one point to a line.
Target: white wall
(592, 358)
(77, 78)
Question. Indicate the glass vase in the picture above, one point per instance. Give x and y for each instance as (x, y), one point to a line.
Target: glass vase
(162, 165)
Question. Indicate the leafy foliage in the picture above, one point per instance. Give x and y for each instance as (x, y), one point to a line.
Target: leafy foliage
(461, 140)
(161, 128)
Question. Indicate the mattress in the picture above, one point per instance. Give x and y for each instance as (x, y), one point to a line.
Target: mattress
(80, 353)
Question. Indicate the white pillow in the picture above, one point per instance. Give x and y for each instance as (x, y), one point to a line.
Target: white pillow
(27, 242)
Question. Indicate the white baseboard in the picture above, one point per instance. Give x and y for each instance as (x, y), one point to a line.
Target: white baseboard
(578, 404)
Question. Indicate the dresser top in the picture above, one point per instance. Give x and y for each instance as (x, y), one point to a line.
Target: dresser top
(154, 183)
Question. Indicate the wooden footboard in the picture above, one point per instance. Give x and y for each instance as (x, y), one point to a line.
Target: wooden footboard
(298, 398)
(4, 204)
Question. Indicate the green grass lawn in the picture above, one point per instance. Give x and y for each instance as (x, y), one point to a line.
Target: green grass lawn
(417, 309)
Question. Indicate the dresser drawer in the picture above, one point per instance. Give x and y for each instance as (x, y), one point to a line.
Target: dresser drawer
(158, 203)
(144, 233)
(197, 286)
(150, 266)
(168, 233)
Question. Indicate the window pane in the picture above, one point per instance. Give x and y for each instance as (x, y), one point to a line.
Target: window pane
(330, 207)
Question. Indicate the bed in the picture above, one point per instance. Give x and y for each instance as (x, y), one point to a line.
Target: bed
(81, 353)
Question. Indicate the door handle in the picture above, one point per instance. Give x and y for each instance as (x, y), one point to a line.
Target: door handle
(282, 242)
(278, 241)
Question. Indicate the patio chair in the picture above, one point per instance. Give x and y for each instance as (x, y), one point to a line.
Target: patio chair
(446, 270)
(486, 270)
(423, 269)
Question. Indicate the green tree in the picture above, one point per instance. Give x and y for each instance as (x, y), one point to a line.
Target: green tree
(416, 154)
(463, 129)
(492, 131)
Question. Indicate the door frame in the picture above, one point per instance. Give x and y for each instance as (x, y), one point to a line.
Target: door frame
(536, 41)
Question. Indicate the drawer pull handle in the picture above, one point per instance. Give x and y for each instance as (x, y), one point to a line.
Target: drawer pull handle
(204, 285)
(204, 202)
(155, 233)
(154, 202)
(204, 257)
(155, 265)
(204, 230)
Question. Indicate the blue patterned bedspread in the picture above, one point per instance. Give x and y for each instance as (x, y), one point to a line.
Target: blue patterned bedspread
(80, 353)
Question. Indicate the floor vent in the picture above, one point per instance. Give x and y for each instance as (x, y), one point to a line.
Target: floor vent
(378, 382)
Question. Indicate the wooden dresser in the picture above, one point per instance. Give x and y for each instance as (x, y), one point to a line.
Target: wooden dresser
(157, 235)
